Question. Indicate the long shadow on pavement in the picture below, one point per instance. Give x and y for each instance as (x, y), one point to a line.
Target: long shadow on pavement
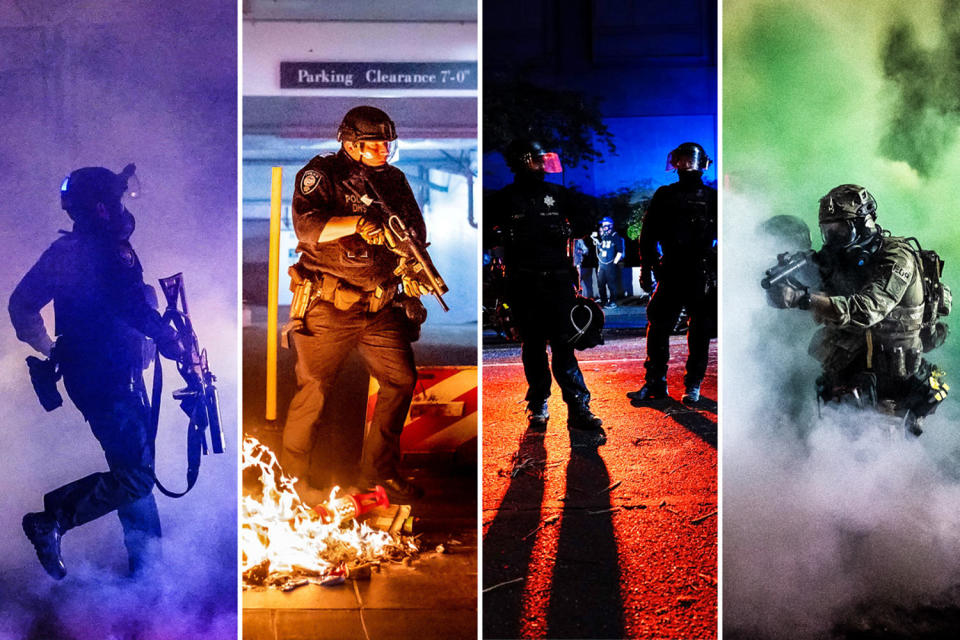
(585, 597)
(690, 418)
(506, 553)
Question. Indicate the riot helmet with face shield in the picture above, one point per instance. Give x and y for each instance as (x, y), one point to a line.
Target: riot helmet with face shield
(92, 197)
(368, 135)
(528, 156)
(689, 156)
(847, 217)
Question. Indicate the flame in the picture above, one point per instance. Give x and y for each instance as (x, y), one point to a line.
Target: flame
(284, 539)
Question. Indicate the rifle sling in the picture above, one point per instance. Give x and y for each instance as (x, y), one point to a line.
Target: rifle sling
(194, 434)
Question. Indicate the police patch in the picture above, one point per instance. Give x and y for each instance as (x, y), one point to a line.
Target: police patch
(309, 181)
(127, 257)
(899, 279)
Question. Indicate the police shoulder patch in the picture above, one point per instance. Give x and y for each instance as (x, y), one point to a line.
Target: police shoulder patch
(309, 181)
(899, 280)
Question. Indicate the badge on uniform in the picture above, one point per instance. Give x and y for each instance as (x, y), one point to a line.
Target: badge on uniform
(127, 257)
(548, 200)
(309, 181)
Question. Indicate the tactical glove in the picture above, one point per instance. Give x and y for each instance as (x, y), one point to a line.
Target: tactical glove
(414, 309)
(647, 281)
(789, 295)
(370, 231)
(414, 288)
(169, 345)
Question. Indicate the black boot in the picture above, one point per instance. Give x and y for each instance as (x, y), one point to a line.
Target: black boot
(585, 428)
(537, 416)
(692, 395)
(399, 490)
(44, 532)
(297, 465)
(650, 391)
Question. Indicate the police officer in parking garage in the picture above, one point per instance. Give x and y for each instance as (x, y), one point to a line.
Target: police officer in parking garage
(103, 310)
(880, 303)
(357, 302)
(678, 255)
(535, 221)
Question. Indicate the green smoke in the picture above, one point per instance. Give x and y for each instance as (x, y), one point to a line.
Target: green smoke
(819, 94)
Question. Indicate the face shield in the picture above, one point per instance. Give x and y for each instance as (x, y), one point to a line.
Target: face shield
(688, 157)
(376, 153)
(548, 162)
(838, 234)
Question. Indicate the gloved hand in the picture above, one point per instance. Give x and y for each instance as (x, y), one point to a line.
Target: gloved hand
(788, 295)
(169, 344)
(370, 231)
(414, 288)
(647, 281)
(414, 309)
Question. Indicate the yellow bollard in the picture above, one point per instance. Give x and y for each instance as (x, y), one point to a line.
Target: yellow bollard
(273, 290)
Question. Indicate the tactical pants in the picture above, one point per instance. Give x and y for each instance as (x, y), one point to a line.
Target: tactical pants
(121, 423)
(383, 342)
(541, 306)
(668, 301)
(608, 281)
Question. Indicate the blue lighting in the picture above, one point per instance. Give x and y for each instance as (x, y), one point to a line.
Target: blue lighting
(64, 184)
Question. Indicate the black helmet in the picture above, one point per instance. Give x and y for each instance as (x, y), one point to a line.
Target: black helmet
(366, 123)
(585, 324)
(792, 231)
(519, 153)
(701, 161)
(847, 202)
(84, 188)
(847, 217)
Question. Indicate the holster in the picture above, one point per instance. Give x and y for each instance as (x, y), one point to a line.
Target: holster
(44, 376)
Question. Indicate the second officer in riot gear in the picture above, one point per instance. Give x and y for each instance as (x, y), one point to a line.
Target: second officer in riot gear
(357, 302)
(103, 311)
(678, 254)
(535, 220)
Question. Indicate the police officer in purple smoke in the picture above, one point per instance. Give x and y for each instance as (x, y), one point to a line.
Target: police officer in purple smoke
(103, 313)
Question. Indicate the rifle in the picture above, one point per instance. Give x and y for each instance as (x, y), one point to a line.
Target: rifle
(415, 262)
(787, 265)
(199, 399)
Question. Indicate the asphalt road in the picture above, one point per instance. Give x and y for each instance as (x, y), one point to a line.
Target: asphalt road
(617, 543)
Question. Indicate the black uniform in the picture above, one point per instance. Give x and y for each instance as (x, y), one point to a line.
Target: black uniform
(678, 241)
(102, 314)
(608, 275)
(534, 221)
(355, 309)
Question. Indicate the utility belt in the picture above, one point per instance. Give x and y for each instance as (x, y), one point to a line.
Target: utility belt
(309, 287)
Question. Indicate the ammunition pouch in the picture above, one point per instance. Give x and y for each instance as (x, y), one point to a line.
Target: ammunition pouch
(309, 287)
(927, 390)
(835, 349)
(861, 391)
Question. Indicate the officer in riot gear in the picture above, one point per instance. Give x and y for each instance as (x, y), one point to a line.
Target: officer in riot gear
(874, 306)
(678, 255)
(103, 312)
(358, 303)
(535, 222)
(610, 248)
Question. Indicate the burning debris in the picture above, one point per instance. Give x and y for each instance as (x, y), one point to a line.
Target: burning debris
(287, 544)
